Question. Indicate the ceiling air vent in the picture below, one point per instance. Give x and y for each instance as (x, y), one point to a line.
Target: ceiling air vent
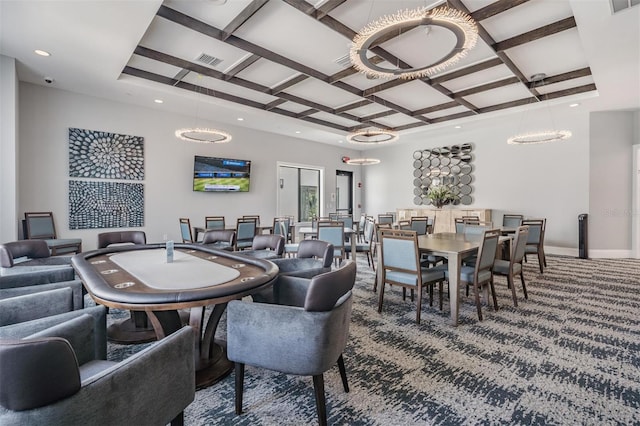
(210, 60)
(344, 61)
(618, 5)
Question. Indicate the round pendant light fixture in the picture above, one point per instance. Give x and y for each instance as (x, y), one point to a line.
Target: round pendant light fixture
(543, 136)
(363, 161)
(203, 135)
(459, 23)
(372, 136)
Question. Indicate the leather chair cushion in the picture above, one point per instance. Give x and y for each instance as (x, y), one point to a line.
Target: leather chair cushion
(51, 372)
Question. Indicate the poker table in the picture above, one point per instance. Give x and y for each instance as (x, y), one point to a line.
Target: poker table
(138, 278)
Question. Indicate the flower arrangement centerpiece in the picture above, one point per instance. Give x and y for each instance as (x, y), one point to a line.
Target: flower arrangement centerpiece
(441, 195)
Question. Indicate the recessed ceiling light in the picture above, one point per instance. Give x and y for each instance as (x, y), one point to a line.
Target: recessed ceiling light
(41, 52)
(341, 141)
(297, 131)
(574, 105)
(457, 127)
(240, 119)
(158, 101)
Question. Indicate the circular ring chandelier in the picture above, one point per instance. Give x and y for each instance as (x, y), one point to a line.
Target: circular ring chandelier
(363, 161)
(539, 137)
(459, 23)
(203, 135)
(372, 136)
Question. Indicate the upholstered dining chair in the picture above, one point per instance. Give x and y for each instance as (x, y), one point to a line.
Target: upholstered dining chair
(404, 224)
(385, 218)
(303, 333)
(185, 230)
(281, 226)
(214, 222)
(333, 233)
(246, 229)
(40, 226)
(509, 268)
(459, 225)
(512, 220)
(254, 217)
(58, 374)
(367, 246)
(420, 224)
(401, 266)
(480, 276)
(222, 239)
(535, 241)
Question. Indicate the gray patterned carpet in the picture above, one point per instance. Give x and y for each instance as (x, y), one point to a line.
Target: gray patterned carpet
(568, 355)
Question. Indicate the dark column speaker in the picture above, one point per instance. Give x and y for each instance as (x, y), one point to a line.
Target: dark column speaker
(583, 236)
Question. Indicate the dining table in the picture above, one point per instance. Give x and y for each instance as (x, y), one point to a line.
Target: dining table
(144, 278)
(454, 247)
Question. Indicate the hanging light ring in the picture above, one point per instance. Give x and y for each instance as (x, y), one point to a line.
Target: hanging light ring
(459, 23)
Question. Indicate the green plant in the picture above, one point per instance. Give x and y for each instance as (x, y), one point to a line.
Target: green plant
(441, 195)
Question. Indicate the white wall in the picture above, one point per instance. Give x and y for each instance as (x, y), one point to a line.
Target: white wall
(548, 180)
(8, 149)
(46, 114)
(611, 162)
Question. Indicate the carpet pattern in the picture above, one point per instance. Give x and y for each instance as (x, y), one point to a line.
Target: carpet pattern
(570, 354)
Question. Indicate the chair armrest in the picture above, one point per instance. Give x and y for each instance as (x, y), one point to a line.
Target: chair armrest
(19, 276)
(75, 285)
(286, 338)
(151, 387)
(34, 306)
(290, 290)
(99, 314)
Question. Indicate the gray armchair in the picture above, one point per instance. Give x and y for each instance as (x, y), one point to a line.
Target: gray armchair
(28, 262)
(304, 334)
(222, 239)
(266, 247)
(55, 375)
(314, 257)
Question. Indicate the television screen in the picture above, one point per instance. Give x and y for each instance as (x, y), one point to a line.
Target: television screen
(220, 174)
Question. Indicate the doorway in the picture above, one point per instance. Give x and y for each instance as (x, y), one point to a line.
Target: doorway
(344, 192)
(300, 190)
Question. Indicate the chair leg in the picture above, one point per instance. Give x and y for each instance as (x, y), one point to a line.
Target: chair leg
(343, 373)
(419, 307)
(524, 287)
(178, 420)
(511, 284)
(431, 294)
(239, 386)
(441, 295)
(493, 294)
(380, 297)
(318, 386)
(476, 291)
(541, 261)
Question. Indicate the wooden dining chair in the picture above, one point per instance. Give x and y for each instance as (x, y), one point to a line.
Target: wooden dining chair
(367, 246)
(404, 224)
(535, 241)
(509, 268)
(400, 266)
(40, 226)
(420, 224)
(333, 232)
(512, 220)
(214, 222)
(385, 218)
(246, 229)
(480, 276)
(185, 230)
(255, 216)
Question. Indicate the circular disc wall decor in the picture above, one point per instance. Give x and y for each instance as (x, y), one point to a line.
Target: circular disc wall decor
(447, 165)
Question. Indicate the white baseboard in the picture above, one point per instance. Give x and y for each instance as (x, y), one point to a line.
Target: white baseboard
(594, 254)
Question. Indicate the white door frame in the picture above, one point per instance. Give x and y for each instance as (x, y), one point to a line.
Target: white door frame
(300, 166)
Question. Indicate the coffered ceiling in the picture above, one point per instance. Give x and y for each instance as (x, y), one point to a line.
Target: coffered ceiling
(286, 61)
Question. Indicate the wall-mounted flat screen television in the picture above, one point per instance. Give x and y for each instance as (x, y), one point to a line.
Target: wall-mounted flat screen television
(212, 174)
